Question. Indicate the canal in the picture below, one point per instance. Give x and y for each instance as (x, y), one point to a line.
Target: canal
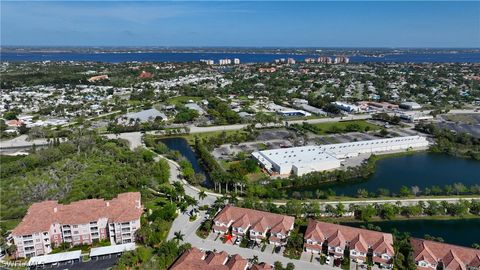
(462, 232)
(181, 145)
(419, 169)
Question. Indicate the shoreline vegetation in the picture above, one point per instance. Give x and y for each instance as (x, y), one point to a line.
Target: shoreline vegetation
(226, 180)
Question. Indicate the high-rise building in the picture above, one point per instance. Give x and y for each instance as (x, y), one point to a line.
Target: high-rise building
(341, 60)
(324, 60)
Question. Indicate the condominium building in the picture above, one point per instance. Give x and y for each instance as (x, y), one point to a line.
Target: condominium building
(359, 243)
(243, 222)
(195, 259)
(306, 159)
(435, 255)
(49, 223)
(342, 60)
(324, 60)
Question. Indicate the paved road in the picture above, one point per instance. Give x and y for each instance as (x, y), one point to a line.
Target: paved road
(403, 202)
(195, 129)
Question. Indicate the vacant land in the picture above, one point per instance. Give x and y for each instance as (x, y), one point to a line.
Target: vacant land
(182, 100)
(346, 126)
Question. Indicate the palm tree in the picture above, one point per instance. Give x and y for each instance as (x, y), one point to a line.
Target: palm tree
(202, 195)
(254, 259)
(178, 236)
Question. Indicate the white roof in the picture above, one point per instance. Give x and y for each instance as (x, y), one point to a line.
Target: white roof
(146, 115)
(53, 258)
(295, 155)
(329, 152)
(113, 249)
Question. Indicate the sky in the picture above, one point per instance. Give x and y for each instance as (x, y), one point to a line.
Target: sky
(255, 23)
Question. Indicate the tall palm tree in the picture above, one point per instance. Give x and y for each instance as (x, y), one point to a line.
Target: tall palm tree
(178, 236)
(202, 195)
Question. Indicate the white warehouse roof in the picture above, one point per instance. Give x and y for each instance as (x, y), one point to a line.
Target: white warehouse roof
(53, 258)
(113, 249)
(295, 155)
(306, 159)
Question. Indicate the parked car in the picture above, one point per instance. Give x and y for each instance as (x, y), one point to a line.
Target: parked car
(328, 260)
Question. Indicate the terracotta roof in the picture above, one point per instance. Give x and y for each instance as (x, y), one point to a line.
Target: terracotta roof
(195, 259)
(262, 266)
(453, 257)
(258, 220)
(339, 235)
(40, 216)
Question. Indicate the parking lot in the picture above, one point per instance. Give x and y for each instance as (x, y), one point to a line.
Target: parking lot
(269, 248)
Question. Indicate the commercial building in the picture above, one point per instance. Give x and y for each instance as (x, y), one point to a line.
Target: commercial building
(142, 116)
(435, 255)
(49, 223)
(243, 222)
(303, 104)
(410, 106)
(415, 117)
(346, 107)
(195, 259)
(194, 106)
(305, 159)
(359, 243)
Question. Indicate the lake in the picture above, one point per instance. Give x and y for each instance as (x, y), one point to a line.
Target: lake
(182, 146)
(421, 169)
(462, 232)
(244, 57)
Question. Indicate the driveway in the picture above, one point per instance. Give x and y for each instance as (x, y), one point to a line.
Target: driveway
(188, 229)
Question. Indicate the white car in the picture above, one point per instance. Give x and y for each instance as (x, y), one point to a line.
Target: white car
(328, 260)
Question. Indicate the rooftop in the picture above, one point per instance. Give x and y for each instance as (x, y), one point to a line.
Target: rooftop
(259, 221)
(53, 258)
(40, 216)
(359, 239)
(453, 257)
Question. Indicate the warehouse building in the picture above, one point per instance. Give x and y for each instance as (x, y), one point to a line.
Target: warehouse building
(306, 159)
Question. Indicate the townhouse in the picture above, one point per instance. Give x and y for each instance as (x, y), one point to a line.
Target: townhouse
(48, 224)
(435, 255)
(195, 259)
(360, 244)
(242, 222)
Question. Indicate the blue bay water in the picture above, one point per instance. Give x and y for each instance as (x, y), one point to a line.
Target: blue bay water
(244, 57)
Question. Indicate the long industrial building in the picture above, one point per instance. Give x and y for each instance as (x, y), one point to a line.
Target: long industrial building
(306, 159)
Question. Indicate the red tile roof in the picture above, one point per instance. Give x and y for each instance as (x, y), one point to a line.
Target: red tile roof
(40, 216)
(453, 257)
(358, 239)
(262, 266)
(258, 220)
(195, 259)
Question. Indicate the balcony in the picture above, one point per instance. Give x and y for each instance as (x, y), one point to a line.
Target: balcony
(27, 243)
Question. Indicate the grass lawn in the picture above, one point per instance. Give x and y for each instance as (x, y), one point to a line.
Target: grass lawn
(253, 177)
(330, 127)
(182, 100)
